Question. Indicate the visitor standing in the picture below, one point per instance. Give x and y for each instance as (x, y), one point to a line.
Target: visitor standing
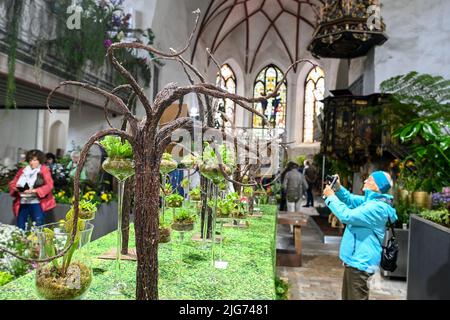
(32, 190)
(294, 183)
(72, 166)
(366, 217)
(310, 174)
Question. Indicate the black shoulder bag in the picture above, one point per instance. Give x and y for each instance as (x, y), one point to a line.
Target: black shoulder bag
(389, 253)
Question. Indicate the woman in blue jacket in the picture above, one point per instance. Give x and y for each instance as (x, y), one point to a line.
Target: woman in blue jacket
(365, 218)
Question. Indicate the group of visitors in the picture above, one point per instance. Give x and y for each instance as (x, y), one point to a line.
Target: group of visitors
(298, 182)
(32, 186)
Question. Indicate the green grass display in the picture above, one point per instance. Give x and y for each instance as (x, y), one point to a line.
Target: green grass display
(185, 269)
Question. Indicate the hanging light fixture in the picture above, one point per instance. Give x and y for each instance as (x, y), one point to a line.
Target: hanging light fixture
(347, 29)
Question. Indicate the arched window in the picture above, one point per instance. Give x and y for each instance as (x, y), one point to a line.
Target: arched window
(226, 79)
(274, 108)
(314, 92)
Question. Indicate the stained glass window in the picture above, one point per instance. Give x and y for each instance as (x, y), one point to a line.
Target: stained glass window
(226, 79)
(314, 92)
(274, 108)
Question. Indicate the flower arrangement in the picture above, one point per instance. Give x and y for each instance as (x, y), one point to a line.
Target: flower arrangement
(22, 243)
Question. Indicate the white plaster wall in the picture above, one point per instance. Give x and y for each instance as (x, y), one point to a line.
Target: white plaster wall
(62, 116)
(18, 129)
(419, 39)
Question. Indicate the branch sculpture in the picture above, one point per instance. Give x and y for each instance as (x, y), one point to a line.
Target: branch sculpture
(149, 141)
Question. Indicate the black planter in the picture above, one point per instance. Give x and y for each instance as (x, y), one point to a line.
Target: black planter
(428, 260)
(402, 259)
(6, 212)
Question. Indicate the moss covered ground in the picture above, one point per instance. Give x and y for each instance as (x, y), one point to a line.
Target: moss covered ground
(186, 267)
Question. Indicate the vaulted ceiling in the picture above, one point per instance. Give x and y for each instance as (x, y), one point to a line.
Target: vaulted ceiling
(254, 26)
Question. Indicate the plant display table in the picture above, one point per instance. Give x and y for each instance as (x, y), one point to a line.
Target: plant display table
(250, 276)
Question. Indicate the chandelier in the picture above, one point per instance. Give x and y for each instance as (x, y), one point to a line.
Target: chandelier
(347, 29)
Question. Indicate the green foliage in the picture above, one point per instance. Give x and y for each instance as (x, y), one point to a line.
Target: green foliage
(5, 277)
(167, 190)
(404, 210)
(281, 289)
(441, 216)
(248, 191)
(115, 148)
(77, 47)
(195, 193)
(300, 159)
(419, 113)
(184, 216)
(174, 200)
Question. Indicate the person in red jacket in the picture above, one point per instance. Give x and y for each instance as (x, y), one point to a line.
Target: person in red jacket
(31, 189)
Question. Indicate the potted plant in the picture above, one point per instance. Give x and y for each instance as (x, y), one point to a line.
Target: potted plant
(223, 208)
(164, 232)
(183, 220)
(195, 194)
(87, 211)
(120, 157)
(64, 278)
(168, 164)
(174, 200)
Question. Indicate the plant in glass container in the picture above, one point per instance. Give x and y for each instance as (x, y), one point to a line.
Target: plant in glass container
(210, 166)
(168, 164)
(87, 211)
(167, 190)
(65, 278)
(183, 220)
(223, 208)
(120, 157)
(174, 200)
(195, 194)
(164, 232)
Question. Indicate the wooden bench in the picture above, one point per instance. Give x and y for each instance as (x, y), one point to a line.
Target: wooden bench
(287, 256)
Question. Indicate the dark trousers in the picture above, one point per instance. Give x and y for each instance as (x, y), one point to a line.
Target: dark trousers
(34, 211)
(354, 285)
(309, 196)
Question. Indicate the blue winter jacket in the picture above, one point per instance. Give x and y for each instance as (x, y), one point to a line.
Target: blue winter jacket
(365, 217)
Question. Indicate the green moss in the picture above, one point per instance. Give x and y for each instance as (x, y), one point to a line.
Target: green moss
(185, 269)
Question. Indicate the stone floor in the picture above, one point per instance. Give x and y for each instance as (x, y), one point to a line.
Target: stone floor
(320, 276)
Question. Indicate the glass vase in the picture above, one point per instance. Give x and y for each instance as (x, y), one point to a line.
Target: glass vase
(68, 277)
(121, 169)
